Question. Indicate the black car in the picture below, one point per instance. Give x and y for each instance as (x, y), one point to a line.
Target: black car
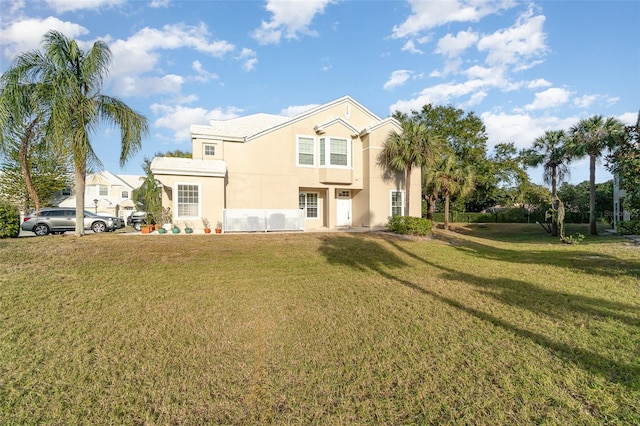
(138, 219)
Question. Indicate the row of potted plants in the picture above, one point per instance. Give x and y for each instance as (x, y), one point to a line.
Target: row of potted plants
(175, 228)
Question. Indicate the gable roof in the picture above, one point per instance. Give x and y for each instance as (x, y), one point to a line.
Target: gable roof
(244, 129)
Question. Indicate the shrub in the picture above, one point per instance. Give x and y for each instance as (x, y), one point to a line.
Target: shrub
(409, 225)
(9, 220)
(631, 227)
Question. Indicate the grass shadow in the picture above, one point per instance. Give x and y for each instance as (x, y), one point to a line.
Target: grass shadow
(575, 257)
(369, 254)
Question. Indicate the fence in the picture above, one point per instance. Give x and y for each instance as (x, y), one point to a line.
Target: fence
(263, 220)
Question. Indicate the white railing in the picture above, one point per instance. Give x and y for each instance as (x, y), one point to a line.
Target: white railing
(262, 220)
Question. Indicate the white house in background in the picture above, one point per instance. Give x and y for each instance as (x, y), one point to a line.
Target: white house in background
(105, 193)
(619, 213)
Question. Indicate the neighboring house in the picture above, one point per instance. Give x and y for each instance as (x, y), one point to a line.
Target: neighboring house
(619, 213)
(323, 165)
(106, 193)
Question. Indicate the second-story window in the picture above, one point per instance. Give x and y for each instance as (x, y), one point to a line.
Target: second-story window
(306, 151)
(335, 152)
(210, 150)
(103, 190)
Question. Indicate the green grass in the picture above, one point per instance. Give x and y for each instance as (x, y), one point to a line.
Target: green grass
(491, 324)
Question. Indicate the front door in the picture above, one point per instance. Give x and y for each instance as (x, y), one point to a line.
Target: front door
(343, 208)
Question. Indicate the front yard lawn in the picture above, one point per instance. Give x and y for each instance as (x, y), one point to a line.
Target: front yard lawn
(492, 324)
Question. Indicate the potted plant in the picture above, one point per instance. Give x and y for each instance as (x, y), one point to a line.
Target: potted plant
(175, 229)
(162, 231)
(167, 219)
(218, 227)
(187, 227)
(207, 225)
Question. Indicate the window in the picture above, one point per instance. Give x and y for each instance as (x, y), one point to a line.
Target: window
(103, 190)
(124, 194)
(210, 150)
(335, 152)
(397, 203)
(66, 191)
(309, 202)
(306, 150)
(188, 200)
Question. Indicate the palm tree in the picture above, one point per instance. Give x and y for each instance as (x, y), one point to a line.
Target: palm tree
(452, 178)
(593, 136)
(550, 151)
(412, 148)
(70, 82)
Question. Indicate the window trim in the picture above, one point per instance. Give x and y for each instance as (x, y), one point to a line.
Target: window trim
(209, 145)
(106, 190)
(402, 206)
(124, 194)
(325, 160)
(314, 153)
(305, 208)
(177, 194)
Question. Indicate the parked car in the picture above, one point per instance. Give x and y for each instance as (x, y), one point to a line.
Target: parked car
(138, 219)
(58, 220)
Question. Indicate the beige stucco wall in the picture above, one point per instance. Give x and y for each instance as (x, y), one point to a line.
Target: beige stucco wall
(211, 196)
(262, 172)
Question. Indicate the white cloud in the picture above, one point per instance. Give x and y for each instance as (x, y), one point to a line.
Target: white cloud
(61, 6)
(289, 18)
(410, 47)
(441, 94)
(158, 4)
(146, 86)
(522, 129)
(536, 84)
(452, 46)
(140, 54)
(26, 34)
(628, 118)
(517, 45)
(584, 101)
(549, 98)
(397, 79)
(426, 15)
(294, 110)
(248, 58)
(179, 118)
(203, 75)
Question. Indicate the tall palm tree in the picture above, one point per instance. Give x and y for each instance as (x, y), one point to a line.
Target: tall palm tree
(452, 178)
(593, 136)
(412, 148)
(550, 151)
(70, 82)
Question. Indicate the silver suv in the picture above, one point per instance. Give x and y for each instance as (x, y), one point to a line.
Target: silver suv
(59, 220)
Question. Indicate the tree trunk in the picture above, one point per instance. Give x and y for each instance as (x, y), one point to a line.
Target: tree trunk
(592, 195)
(431, 209)
(446, 210)
(81, 177)
(408, 190)
(26, 170)
(554, 218)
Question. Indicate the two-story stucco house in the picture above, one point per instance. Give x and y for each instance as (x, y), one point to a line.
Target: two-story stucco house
(323, 165)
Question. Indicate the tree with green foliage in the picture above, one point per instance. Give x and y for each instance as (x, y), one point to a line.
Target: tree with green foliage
(466, 135)
(49, 172)
(69, 82)
(550, 151)
(148, 195)
(576, 199)
(592, 137)
(22, 119)
(9, 220)
(624, 162)
(452, 178)
(414, 147)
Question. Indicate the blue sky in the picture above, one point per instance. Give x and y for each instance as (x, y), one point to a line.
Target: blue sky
(523, 67)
